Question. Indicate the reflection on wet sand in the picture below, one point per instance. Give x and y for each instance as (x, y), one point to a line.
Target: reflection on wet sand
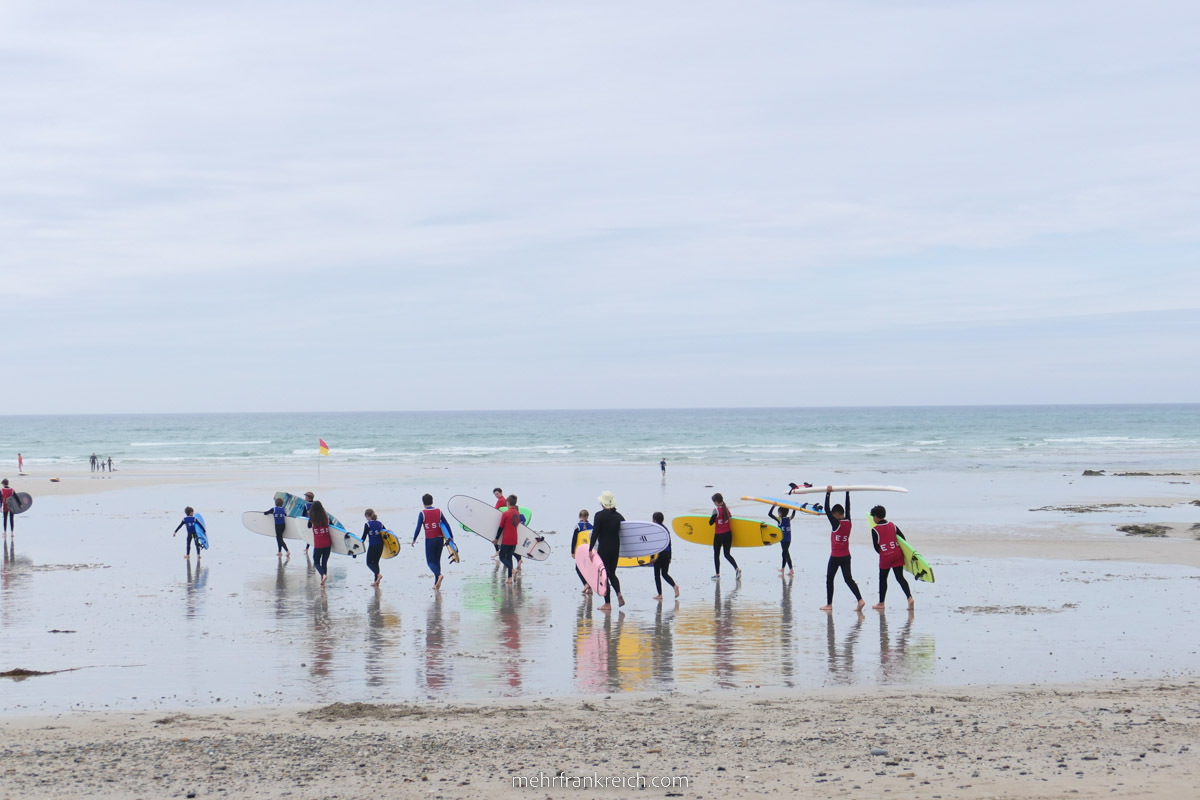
(841, 659)
(732, 643)
(438, 673)
(907, 655)
(379, 640)
(197, 577)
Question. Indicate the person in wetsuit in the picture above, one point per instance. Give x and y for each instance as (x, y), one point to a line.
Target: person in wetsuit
(722, 522)
(606, 541)
(884, 538)
(580, 527)
(322, 544)
(373, 535)
(785, 524)
(839, 554)
(663, 562)
(191, 523)
(437, 530)
(7, 496)
(280, 526)
(506, 535)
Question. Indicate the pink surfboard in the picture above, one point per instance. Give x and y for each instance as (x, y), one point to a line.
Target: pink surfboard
(592, 569)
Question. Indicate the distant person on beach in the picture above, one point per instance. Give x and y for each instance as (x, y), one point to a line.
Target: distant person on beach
(663, 466)
(839, 555)
(722, 522)
(93, 462)
(437, 530)
(7, 496)
(580, 527)
(506, 534)
(20, 464)
(663, 562)
(373, 536)
(318, 520)
(191, 523)
(884, 538)
(606, 542)
(280, 527)
(110, 463)
(785, 524)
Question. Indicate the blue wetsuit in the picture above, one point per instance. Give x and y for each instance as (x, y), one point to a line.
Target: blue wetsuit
(191, 523)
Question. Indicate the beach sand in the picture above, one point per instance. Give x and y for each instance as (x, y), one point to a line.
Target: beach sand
(454, 697)
(1074, 741)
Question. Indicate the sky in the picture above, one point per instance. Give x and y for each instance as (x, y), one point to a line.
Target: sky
(295, 206)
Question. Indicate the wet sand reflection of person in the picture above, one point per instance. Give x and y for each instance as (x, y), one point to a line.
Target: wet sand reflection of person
(195, 588)
(787, 638)
(663, 646)
(510, 638)
(612, 641)
(591, 650)
(724, 638)
(436, 675)
(324, 642)
(841, 661)
(893, 657)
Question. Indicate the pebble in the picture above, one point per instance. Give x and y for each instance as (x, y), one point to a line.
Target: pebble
(878, 751)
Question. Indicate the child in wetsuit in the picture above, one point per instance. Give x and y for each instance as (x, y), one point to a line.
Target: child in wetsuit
(785, 524)
(373, 535)
(280, 526)
(722, 522)
(884, 538)
(663, 562)
(437, 530)
(192, 523)
(580, 527)
(839, 554)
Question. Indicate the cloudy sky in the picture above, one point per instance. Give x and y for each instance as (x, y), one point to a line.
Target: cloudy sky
(227, 206)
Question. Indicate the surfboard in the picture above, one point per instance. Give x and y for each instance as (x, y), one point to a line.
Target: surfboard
(391, 545)
(784, 503)
(592, 569)
(295, 505)
(821, 489)
(525, 512)
(19, 502)
(746, 532)
(296, 528)
(452, 550)
(623, 561)
(914, 563)
(201, 535)
(478, 515)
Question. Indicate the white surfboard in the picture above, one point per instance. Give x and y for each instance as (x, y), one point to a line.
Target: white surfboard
(484, 519)
(821, 489)
(643, 539)
(296, 529)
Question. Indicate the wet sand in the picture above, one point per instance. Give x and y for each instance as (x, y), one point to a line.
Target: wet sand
(1091, 740)
(167, 676)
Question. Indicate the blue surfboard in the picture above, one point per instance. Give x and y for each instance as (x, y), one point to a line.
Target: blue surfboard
(201, 535)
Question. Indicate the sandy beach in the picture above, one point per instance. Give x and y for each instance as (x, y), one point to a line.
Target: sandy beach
(1033, 668)
(1119, 739)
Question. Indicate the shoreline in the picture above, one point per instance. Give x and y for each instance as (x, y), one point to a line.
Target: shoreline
(1091, 739)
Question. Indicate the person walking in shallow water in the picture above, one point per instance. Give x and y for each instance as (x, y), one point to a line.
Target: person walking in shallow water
(839, 554)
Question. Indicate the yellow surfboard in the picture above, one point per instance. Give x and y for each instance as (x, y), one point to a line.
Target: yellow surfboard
(746, 532)
(641, 561)
(391, 545)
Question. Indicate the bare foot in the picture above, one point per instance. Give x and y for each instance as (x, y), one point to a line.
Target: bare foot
(791, 572)
(912, 601)
(188, 557)
(620, 599)
(323, 577)
(677, 591)
(376, 583)
(860, 605)
(878, 606)
(438, 583)
(657, 597)
(605, 607)
(828, 608)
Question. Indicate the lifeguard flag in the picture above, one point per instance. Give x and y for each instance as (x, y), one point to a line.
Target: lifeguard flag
(324, 447)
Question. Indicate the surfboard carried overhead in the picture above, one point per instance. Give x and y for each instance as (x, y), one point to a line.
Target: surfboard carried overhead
(784, 503)
(856, 488)
(746, 532)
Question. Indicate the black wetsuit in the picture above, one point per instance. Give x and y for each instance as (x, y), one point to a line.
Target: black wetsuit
(837, 562)
(897, 571)
(606, 541)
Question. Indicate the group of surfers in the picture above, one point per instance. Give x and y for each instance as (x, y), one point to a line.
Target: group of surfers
(605, 540)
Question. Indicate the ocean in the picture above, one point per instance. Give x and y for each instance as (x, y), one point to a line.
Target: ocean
(910, 439)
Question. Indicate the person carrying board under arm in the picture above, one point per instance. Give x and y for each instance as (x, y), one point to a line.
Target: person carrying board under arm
(884, 536)
(839, 555)
(191, 523)
(437, 530)
(606, 542)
